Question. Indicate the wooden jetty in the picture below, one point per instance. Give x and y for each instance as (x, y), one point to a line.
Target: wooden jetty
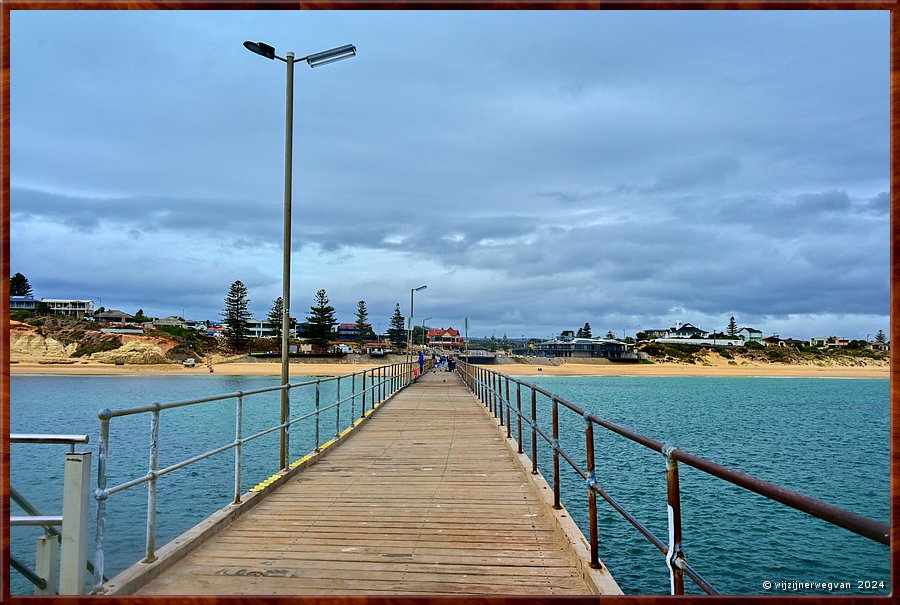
(428, 497)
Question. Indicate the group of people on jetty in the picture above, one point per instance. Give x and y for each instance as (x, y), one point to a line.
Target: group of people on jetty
(445, 362)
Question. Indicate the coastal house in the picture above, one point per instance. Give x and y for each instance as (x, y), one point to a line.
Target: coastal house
(216, 331)
(879, 346)
(818, 341)
(172, 321)
(69, 307)
(22, 303)
(750, 335)
(582, 347)
(113, 316)
(685, 330)
(260, 329)
(348, 333)
(654, 333)
(445, 338)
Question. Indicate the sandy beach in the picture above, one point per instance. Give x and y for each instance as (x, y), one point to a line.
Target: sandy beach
(88, 368)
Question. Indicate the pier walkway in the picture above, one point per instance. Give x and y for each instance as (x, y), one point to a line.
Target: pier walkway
(427, 498)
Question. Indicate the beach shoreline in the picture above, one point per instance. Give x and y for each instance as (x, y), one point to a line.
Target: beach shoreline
(62, 367)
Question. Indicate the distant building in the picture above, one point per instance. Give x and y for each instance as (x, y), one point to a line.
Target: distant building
(216, 331)
(69, 307)
(22, 303)
(654, 333)
(582, 347)
(113, 316)
(444, 338)
(348, 333)
(750, 335)
(685, 330)
(261, 329)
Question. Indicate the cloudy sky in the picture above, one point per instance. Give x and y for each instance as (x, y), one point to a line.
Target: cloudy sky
(537, 170)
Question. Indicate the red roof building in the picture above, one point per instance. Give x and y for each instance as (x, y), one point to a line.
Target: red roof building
(445, 338)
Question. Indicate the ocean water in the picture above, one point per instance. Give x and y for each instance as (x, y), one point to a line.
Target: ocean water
(827, 438)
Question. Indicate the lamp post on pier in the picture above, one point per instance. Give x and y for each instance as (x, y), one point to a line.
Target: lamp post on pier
(412, 291)
(314, 60)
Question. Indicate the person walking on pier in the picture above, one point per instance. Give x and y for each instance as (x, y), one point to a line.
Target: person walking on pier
(421, 363)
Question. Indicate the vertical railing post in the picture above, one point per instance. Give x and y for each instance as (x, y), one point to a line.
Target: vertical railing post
(534, 447)
(508, 411)
(47, 564)
(352, 397)
(363, 411)
(318, 440)
(238, 440)
(556, 503)
(101, 495)
(337, 410)
(674, 555)
(76, 507)
(592, 495)
(382, 371)
(151, 486)
(286, 430)
(519, 410)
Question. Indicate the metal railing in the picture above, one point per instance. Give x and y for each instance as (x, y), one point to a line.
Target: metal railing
(61, 559)
(488, 387)
(383, 382)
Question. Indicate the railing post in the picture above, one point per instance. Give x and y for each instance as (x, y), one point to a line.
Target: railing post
(318, 440)
(556, 503)
(363, 411)
(337, 410)
(508, 412)
(151, 486)
(519, 415)
(675, 554)
(76, 506)
(592, 495)
(534, 447)
(352, 397)
(286, 430)
(238, 434)
(101, 495)
(47, 564)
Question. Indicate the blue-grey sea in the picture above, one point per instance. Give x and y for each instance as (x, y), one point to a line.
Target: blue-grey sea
(828, 438)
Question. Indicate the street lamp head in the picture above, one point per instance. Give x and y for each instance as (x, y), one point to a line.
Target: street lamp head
(261, 49)
(419, 288)
(330, 56)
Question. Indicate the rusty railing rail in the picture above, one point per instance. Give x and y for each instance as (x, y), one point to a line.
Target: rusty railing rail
(487, 386)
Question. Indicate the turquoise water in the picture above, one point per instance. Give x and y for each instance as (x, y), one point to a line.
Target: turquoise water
(827, 438)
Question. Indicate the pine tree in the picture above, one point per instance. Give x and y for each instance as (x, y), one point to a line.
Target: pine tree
(236, 316)
(397, 331)
(320, 321)
(586, 330)
(19, 286)
(610, 335)
(732, 327)
(880, 337)
(276, 317)
(363, 329)
(580, 333)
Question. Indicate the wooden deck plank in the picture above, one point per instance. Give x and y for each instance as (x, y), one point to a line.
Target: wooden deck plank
(426, 499)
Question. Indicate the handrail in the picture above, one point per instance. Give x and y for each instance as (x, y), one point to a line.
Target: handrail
(384, 382)
(485, 386)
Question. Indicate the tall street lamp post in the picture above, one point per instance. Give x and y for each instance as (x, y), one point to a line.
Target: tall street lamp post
(412, 291)
(314, 60)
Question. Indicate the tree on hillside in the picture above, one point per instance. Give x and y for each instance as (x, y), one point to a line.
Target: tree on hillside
(397, 331)
(880, 337)
(732, 327)
(320, 322)
(579, 333)
(586, 330)
(276, 317)
(363, 329)
(610, 335)
(19, 286)
(139, 316)
(236, 316)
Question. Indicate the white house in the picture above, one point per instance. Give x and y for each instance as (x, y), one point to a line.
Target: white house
(72, 308)
(685, 331)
